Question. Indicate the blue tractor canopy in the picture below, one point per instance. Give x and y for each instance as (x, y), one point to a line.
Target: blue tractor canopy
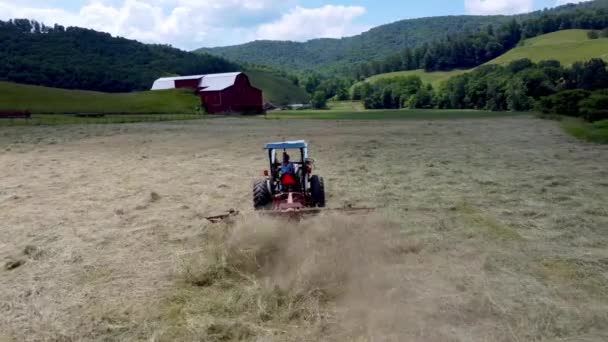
(287, 145)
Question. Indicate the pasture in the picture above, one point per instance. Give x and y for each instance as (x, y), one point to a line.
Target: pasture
(566, 46)
(67, 119)
(44, 100)
(487, 229)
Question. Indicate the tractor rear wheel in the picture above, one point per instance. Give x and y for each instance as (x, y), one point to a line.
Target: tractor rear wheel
(317, 191)
(261, 194)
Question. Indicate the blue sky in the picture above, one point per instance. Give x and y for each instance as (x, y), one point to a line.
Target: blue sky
(191, 24)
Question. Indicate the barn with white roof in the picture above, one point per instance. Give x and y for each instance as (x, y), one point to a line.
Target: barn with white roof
(220, 93)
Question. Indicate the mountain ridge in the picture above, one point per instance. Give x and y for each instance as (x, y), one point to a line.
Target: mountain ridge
(374, 43)
(335, 54)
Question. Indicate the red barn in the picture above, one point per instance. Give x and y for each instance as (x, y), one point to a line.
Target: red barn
(219, 93)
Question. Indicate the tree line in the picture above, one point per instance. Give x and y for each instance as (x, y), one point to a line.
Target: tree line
(595, 34)
(547, 86)
(469, 50)
(323, 88)
(77, 58)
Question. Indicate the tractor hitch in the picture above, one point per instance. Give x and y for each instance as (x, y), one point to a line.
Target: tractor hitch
(222, 217)
(293, 214)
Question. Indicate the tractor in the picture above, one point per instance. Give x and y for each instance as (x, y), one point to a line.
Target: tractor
(289, 190)
(289, 187)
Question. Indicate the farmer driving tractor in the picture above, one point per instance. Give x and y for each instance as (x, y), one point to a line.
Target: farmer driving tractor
(288, 172)
(287, 166)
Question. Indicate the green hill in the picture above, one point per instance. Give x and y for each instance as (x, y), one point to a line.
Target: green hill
(566, 46)
(38, 99)
(277, 89)
(387, 41)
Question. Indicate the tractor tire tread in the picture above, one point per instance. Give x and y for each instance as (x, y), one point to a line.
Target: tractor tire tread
(317, 191)
(261, 194)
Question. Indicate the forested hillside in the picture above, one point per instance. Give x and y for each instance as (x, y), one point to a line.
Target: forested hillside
(566, 47)
(470, 50)
(382, 49)
(339, 53)
(77, 58)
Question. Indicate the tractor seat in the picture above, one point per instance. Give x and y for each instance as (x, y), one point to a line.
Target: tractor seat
(289, 179)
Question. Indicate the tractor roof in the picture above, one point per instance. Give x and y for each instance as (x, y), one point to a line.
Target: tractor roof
(286, 145)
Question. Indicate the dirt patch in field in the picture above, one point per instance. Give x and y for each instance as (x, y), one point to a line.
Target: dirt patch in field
(487, 230)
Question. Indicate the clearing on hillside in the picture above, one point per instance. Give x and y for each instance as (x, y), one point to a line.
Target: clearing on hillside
(434, 78)
(487, 230)
(566, 46)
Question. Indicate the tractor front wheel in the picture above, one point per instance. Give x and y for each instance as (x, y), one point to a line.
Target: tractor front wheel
(317, 191)
(261, 194)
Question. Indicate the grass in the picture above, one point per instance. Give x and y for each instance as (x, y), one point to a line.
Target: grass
(346, 106)
(566, 46)
(583, 275)
(277, 89)
(341, 112)
(488, 225)
(596, 132)
(44, 100)
(63, 119)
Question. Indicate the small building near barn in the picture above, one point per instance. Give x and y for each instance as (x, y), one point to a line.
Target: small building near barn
(219, 93)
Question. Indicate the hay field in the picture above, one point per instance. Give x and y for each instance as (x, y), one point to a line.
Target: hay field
(489, 230)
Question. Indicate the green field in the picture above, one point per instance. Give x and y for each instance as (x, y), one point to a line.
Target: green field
(60, 101)
(596, 132)
(434, 78)
(566, 46)
(346, 106)
(277, 89)
(65, 119)
(354, 111)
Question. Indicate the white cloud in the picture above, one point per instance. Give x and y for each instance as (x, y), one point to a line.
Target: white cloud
(9, 10)
(301, 23)
(196, 23)
(498, 6)
(183, 23)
